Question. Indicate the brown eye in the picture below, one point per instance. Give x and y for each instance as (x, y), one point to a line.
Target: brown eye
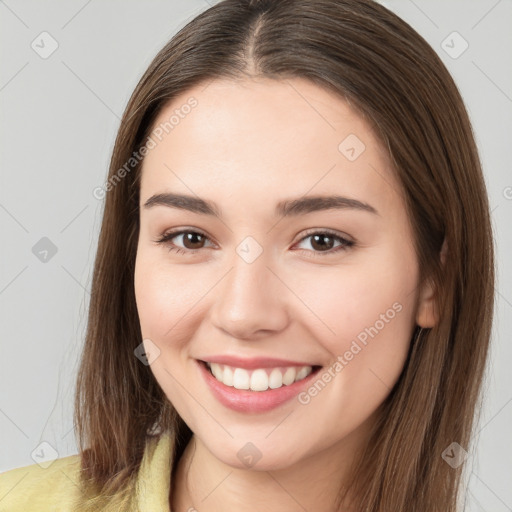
(322, 242)
(190, 242)
(326, 243)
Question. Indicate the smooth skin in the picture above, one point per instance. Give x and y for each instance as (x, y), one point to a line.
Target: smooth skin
(247, 145)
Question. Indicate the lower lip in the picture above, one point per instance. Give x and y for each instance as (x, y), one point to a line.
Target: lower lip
(243, 400)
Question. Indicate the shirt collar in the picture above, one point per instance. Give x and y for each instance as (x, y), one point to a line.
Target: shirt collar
(153, 479)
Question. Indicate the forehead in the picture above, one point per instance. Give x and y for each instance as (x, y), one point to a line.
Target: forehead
(266, 138)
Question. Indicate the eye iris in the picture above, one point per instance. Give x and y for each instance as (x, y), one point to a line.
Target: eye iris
(190, 237)
(316, 238)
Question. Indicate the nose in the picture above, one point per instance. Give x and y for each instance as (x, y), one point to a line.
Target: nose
(251, 301)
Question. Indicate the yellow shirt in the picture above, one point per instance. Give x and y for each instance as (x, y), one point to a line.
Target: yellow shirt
(55, 489)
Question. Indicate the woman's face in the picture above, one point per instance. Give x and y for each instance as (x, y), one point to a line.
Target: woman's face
(268, 280)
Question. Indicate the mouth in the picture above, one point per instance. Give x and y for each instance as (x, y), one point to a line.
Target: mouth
(256, 390)
(259, 379)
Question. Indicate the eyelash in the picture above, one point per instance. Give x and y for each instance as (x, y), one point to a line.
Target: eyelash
(345, 243)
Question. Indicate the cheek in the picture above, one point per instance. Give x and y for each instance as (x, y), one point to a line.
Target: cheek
(168, 301)
(370, 312)
(365, 312)
(168, 298)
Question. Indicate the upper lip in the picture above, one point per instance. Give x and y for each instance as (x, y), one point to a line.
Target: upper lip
(252, 363)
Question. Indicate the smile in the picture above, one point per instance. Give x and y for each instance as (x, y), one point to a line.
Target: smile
(257, 385)
(259, 379)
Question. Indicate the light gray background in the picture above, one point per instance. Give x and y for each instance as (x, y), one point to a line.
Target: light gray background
(59, 118)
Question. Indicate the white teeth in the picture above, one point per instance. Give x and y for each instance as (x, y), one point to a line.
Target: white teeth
(289, 376)
(240, 378)
(303, 373)
(275, 379)
(216, 370)
(227, 378)
(260, 379)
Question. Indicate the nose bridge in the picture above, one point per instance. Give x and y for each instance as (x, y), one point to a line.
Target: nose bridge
(248, 300)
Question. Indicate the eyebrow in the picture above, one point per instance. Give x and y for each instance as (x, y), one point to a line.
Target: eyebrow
(285, 208)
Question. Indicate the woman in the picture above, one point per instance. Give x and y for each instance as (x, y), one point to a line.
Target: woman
(293, 290)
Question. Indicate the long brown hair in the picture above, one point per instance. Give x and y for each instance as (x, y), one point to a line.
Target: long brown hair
(392, 77)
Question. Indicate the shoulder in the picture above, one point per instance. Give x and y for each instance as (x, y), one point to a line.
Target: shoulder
(57, 488)
(34, 487)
